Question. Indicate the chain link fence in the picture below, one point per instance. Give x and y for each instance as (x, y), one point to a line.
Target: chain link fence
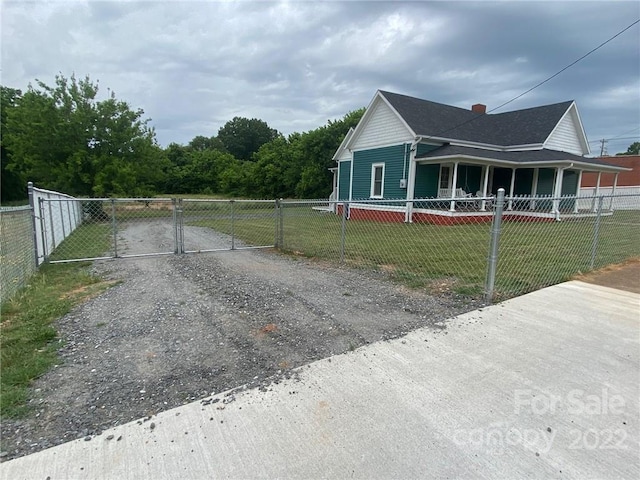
(457, 247)
(17, 249)
(446, 246)
(122, 228)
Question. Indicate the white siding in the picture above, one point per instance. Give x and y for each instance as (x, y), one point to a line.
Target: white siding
(344, 155)
(566, 136)
(627, 198)
(382, 128)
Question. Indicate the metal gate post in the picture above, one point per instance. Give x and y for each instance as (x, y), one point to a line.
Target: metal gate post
(33, 220)
(114, 224)
(233, 235)
(496, 226)
(53, 233)
(343, 232)
(596, 234)
(175, 226)
(181, 225)
(276, 216)
(43, 227)
(64, 232)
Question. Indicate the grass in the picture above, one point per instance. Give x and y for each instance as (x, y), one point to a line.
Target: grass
(28, 341)
(450, 258)
(89, 240)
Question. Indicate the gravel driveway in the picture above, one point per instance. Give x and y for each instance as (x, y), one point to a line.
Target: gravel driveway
(181, 327)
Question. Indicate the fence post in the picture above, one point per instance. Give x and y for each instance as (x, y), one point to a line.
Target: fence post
(33, 220)
(343, 232)
(53, 233)
(181, 225)
(280, 223)
(114, 224)
(233, 234)
(64, 232)
(43, 229)
(596, 234)
(496, 226)
(175, 225)
(276, 223)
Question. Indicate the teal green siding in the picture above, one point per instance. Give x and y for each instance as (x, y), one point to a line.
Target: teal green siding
(569, 182)
(344, 179)
(469, 177)
(427, 181)
(546, 177)
(545, 181)
(394, 162)
(422, 149)
(569, 187)
(426, 185)
(524, 181)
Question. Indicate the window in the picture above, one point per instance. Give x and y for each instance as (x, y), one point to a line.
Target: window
(445, 175)
(377, 180)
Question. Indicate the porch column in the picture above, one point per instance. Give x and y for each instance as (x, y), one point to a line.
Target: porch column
(578, 191)
(557, 190)
(513, 184)
(597, 194)
(613, 190)
(453, 187)
(485, 186)
(534, 188)
(411, 187)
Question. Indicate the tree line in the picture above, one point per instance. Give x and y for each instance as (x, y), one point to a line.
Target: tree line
(63, 137)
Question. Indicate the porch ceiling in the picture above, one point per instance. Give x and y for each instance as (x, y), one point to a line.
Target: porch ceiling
(521, 159)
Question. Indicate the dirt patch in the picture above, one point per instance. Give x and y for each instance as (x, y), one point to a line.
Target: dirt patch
(623, 276)
(178, 328)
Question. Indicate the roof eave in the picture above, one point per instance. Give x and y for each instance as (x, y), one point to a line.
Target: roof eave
(343, 145)
(488, 146)
(544, 163)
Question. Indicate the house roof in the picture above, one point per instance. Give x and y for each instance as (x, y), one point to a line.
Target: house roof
(520, 158)
(437, 120)
(343, 145)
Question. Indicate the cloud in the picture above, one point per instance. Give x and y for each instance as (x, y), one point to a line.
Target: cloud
(194, 65)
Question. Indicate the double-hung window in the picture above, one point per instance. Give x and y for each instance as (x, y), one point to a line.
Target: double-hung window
(377, 180)
(445, 177)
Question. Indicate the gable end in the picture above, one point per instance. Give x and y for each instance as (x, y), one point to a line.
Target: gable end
(379, 126)
(568, 135)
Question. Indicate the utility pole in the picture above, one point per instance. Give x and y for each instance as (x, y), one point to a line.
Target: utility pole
(603, 147)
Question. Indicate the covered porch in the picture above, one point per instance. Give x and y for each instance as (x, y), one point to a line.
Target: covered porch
(466, 187)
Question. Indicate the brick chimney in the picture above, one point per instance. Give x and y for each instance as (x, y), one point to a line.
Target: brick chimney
(479, 108)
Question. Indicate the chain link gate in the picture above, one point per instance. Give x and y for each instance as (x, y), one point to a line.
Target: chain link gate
(72, 230)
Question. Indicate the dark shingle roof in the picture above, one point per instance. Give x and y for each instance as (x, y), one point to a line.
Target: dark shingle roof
(520, 127)
(523, 157)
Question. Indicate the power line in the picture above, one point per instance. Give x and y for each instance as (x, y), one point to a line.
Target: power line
(615, 138)
(621, 137)
(567, 67)
(541, 83)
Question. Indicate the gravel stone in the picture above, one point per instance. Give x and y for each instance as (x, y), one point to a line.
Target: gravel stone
(180, 327)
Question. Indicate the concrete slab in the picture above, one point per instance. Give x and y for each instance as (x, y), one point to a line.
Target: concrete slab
(544, 385)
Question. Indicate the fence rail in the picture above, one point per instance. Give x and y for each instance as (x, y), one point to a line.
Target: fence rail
(491, 247)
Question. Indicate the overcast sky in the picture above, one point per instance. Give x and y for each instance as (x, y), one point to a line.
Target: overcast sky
(192, 66)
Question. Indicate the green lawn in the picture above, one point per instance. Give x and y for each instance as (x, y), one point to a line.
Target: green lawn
(449, 258)
(28, 338)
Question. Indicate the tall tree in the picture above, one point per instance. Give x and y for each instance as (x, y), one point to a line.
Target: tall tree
(62, 137)
(318, 148)
(299, 166)
(634, 149)
(13, 186)
(200, 143)
(242, 137)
